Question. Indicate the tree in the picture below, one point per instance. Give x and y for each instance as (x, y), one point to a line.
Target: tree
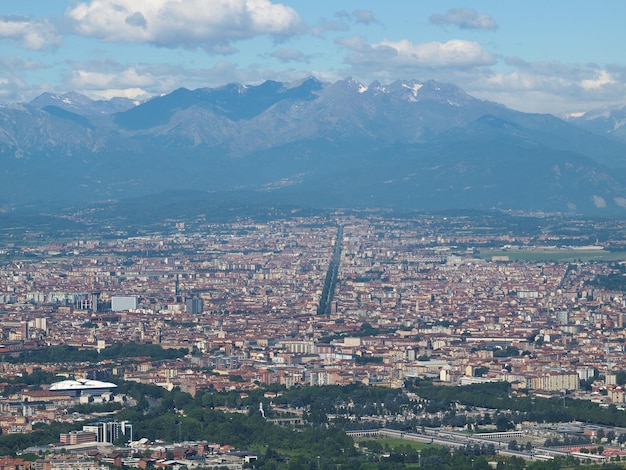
(503, 423)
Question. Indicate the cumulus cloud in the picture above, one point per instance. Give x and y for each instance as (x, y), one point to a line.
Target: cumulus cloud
(455, 53)
(552, 87)
(603, 78)
(105, 79)
(543, 86)
(465, 18)
(29, 33)
(128, 78)
(209, 24)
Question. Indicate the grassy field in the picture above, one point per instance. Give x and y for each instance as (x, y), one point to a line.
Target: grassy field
(566, 256)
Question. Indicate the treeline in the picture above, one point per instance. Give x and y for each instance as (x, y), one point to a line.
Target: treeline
(496, 396)
(354, 400)
(86, 408)
(175, 416)
(116, 351)
(614, 281)
(34, 380)
(42, 435)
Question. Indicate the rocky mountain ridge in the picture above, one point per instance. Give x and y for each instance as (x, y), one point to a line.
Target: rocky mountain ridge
(407, 145)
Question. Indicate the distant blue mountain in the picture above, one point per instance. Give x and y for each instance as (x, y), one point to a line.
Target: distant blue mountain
(407, 144)
(235, 102)
(608, 122)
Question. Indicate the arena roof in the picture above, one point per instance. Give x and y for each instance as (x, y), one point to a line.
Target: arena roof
(80, 384)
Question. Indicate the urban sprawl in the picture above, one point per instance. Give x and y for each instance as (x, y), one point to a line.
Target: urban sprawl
(315, 301)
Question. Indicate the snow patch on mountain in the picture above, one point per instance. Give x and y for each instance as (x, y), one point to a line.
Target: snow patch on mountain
(414, 87)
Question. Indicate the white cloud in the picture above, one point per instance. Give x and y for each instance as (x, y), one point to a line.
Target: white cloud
(128, 78)
(603, 78)
(29, 33)
(551, 87)
(104, 80)
(209, 24)
(455, 53)
(465, 18)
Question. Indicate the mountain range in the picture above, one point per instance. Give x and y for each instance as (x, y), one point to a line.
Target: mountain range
(404, 145)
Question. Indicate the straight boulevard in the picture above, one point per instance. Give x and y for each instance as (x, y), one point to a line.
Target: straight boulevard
(328, 292)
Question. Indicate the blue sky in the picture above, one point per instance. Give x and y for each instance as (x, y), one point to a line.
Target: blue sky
(553, 56)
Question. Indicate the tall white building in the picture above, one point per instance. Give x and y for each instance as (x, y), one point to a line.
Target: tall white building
(120, 303)
(110, 431)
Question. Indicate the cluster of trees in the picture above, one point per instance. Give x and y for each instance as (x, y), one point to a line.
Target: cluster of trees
(175, 415)
(366, 329)
(434, 457)
(42, 434)
(116, 351)
(513, 445)
(614, 281)
(351, 401)
(86, 408)
(509, 351)
(497, 396)
(430, 458)
(503, 422)
(34, 380)
(180, 416)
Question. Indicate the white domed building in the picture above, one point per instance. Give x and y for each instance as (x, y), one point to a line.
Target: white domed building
(80, 387)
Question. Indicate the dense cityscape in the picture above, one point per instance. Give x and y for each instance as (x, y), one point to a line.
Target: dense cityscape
(330, 235)
(273, 307)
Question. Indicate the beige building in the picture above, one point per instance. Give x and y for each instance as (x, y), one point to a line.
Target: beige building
(556, 381)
